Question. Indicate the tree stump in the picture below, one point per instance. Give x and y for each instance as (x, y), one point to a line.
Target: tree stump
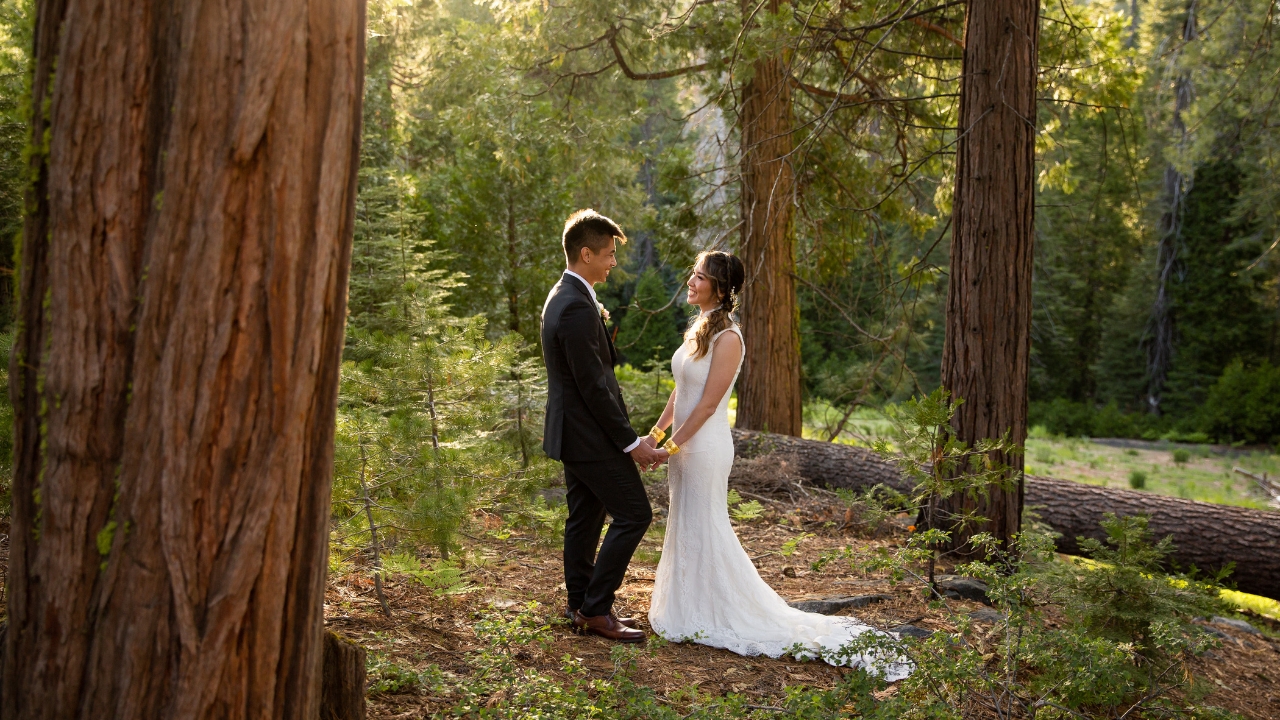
(342, 695)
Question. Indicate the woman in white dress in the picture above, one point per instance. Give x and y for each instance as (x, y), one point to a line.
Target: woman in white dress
(706, 589)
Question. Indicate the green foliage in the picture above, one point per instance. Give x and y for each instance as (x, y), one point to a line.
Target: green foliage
(646, 337)
(1081, 639)
(1137, 479)
(940, 466)
(1238, 407)
(1061, 416)
(747, 511)
(444, 577)
(386, 677)
(499, 159)
(744, 511)
(1181, 456)
(1242, 404)
(1218, 307)
(790, 547)
(1102, 638)
(16, 20)
(545, 520)
(645, 393)
(1126, 597)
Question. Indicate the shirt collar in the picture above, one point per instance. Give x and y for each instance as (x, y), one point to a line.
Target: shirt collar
(584, 282)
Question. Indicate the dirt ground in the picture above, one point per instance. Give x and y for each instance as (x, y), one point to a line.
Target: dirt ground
(429, 629)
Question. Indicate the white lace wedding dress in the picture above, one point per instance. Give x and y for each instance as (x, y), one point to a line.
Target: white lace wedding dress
(706, 589)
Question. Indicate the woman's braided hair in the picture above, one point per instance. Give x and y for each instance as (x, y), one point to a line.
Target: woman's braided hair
(727, 274)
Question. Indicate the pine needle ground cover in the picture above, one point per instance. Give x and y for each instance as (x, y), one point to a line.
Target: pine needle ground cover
(481, 643)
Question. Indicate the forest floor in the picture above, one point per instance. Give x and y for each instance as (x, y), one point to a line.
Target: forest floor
(506, 572)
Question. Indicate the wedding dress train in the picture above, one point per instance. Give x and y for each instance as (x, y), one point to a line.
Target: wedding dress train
(706, 589)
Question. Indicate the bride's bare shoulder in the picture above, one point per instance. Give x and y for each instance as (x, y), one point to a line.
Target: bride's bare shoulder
(728, 339)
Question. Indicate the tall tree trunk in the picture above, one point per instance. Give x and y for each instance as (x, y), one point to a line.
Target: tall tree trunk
(769, 390)
(182, 300)
(988, 338)
(1161, 330)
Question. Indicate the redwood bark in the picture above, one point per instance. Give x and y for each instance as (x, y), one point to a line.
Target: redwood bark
(344, 678)
(769, 389)
(985, 357)
(182, 300)
(1205, 535)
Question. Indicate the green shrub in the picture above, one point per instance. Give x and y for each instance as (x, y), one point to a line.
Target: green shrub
(1181, 456)
(1063, 417)
(1243, 405)
(1125, 596)
(1111, 421)
(645, 393)
(1074, 419)
(1137, 479)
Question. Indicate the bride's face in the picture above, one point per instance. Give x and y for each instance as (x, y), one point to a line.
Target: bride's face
(701, 291)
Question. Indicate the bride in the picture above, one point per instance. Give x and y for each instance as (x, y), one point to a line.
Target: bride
(706, 589)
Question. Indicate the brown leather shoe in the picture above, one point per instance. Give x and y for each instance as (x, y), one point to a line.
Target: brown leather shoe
(607, 626)
(570, 612)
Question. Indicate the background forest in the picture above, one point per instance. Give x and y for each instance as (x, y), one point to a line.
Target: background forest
(1154, 348)
(1157, 274)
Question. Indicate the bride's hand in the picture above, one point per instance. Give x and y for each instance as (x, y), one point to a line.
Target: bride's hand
(648, 440)
(663, 456)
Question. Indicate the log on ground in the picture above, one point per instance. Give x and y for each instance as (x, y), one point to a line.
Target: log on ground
(1205, 535)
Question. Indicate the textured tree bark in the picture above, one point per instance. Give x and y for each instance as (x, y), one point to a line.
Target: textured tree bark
(1205, 535)
(769, 389)
(344, 678)
(985, 357)
(182, 300)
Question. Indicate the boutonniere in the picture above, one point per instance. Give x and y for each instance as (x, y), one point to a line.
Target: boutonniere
(604, 314)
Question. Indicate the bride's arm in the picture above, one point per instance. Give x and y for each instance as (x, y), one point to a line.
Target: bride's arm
(665, 419)
(724, 363)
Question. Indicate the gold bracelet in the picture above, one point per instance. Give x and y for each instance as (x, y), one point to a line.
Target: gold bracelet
(671, 447)
(657, 434)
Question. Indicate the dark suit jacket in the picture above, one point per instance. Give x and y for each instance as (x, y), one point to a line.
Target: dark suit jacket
(586, 416)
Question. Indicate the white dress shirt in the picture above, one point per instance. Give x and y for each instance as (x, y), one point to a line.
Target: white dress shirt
(592, 290)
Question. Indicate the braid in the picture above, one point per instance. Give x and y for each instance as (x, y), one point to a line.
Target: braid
(726, 273)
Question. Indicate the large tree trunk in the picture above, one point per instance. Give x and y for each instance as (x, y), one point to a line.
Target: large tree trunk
(985, 357)
(182, 300)
(769, 390)
(1206, 535)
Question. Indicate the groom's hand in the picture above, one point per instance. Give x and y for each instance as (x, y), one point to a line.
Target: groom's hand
(645, 456)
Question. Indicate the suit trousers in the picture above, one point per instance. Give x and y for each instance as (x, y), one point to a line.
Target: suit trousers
(593, 489)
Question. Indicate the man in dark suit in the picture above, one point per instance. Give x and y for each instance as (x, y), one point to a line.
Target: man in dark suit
(588, 430)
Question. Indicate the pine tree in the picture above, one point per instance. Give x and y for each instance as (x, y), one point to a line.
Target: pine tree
(653, 326)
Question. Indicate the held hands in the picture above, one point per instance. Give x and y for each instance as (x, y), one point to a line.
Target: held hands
(647, 457)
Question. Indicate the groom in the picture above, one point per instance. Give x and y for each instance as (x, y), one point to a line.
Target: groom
(588, 430)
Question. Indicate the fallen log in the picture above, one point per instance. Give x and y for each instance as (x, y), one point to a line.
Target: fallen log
(1205, 535)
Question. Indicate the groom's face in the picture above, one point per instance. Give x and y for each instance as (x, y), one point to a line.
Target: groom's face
(596, 265)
